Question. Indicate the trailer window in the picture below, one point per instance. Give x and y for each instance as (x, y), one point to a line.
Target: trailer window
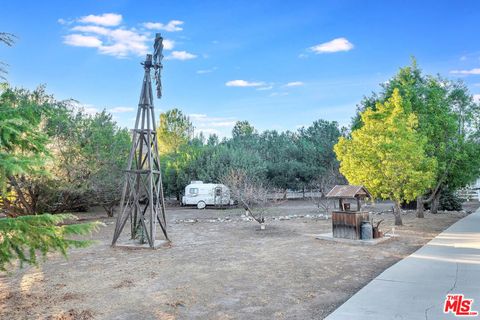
(193, 191)
(218, 192)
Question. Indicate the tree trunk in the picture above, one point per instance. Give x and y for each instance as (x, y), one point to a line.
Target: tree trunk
(20, 194)
(435, 203)
(420, 207)
(397, 212)
(109, 209)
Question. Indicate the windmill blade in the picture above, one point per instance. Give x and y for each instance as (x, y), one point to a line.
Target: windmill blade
(157, 62)
(158, 49)
(158, 81)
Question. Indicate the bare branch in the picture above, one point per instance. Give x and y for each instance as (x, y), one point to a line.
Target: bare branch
(322, 185)
(7, 38)
(250, 193)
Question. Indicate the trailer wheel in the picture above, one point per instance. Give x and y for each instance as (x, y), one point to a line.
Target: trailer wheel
(201, 205)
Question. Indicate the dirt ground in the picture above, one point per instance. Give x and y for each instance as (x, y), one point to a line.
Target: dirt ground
(218, 266)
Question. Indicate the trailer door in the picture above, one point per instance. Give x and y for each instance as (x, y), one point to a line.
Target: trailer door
(218, 196)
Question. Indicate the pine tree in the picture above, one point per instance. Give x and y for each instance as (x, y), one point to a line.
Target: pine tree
(24, 238)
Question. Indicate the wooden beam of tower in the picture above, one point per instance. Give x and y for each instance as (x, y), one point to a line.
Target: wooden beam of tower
(142, 202)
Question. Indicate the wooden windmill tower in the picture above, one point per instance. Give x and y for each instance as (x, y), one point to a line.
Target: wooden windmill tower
(142, 199)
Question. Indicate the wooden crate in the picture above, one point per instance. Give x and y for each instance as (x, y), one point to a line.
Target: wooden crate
(347, 224)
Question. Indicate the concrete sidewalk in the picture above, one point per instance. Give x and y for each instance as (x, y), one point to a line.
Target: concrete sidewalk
(415, 287)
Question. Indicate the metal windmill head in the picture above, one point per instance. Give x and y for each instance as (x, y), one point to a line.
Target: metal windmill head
(157, 62)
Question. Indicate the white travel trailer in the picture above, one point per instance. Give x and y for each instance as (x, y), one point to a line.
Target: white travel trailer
(202, 194)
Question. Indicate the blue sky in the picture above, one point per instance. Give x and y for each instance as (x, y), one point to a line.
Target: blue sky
(277, 64)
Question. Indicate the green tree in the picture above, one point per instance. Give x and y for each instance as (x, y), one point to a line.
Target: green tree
(174, 130)
(23, 238)
(177, 149)
(23, 144)
(68, 189)
(387, 154)
(54, 159)
(89, 154)
(176, 167)
(23, 153)
(243, 129)
(316, 149)
(215, 161)
(283, 161)
(106, 148)
(213, 140)
(446, 117)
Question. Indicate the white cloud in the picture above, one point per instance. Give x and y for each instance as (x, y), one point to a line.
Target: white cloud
(269, 87)
(152, 25)
(197, 116)
(88, 109)
(466, 72)
(336, 45)
(79, 40)
(243, 83)
(76, 106)
(171, 26)
(221, 126)
(181, 55)
(168, 44)
(105, 33)
(228, 124)
(106, 19)
(294, 84)
(463, 58)
(206, 70)
(117, 42)
(476, 98)
(124, 42)
(93, 29)
(120, 35)
(121, 41)
(121, 109)
(203, 118)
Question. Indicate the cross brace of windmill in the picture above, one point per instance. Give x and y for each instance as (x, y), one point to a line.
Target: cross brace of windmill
(142, 202)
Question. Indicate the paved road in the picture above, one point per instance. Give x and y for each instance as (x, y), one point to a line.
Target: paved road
(415, 288)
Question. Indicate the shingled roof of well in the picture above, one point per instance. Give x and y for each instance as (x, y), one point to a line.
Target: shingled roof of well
(347, 191)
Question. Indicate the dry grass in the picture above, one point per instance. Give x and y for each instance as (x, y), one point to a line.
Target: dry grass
(213, 270)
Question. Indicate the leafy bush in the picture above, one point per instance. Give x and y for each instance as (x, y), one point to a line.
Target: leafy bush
(449, 201)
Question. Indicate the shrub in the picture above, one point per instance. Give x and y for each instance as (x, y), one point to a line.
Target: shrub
(449, 201)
